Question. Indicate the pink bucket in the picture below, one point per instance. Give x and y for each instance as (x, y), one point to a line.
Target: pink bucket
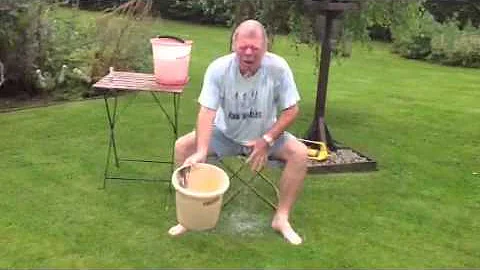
(171, 59)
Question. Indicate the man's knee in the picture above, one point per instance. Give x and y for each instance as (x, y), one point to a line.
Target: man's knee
(185, 144)
(301, 153)
(297, 152)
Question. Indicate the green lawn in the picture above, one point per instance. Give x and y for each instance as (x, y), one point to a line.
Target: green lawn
(420, 210)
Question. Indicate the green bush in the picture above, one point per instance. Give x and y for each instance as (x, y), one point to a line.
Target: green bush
(37, 46)
(59, 55)
(203, 11)
(445, 43)
(456, 47)
(412, 39)
(26, 39)
(465, 11)
(420, 36)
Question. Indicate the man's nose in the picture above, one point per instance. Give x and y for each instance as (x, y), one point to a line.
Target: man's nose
(248, 51)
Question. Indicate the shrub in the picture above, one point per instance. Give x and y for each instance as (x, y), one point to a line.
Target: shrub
(412, 39)
(465, 11)
(457, 47)
(26, 44)
(203, 11)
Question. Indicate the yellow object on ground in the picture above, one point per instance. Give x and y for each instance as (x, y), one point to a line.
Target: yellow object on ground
(318, 151)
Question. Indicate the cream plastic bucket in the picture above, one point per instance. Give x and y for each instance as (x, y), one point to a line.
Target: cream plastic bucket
(171, 59)
(198, 204)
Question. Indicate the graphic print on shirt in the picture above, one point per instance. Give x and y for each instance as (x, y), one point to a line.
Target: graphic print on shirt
(245, 102)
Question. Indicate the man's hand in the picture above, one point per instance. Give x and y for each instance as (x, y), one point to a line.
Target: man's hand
(197, 157)
(258, 156)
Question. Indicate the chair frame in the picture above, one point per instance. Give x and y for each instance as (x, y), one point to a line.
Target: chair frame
(235, 174)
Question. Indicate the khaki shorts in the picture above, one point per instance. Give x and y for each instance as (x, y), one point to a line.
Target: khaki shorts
(222, 146)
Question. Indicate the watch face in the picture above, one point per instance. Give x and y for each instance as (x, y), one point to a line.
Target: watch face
(268, 139)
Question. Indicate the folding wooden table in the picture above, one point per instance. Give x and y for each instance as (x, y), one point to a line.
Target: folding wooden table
(117, 81)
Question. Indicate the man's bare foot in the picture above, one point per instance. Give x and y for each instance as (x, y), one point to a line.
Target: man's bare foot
(281, 225)
(177, 230)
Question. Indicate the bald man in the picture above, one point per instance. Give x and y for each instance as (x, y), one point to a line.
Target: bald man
(241, 96)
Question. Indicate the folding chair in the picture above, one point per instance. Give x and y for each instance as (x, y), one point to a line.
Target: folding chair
(235, 174)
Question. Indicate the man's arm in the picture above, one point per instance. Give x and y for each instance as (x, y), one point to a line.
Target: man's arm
(258, 156)
(287, 101)
(203, 133)
(286, 118)
(204, 129)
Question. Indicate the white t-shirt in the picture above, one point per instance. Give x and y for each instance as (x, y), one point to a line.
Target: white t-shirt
(247, 107)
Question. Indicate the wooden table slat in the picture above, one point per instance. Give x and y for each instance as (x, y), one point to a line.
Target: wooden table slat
(135, 81)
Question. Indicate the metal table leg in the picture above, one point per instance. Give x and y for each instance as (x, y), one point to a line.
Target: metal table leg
(174, 125)
(111, 116)
(136, 82)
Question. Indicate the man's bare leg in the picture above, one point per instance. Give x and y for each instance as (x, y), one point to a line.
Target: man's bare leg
(294, 153)
(184, 147)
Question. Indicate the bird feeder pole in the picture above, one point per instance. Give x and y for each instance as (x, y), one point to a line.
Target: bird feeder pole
(318, 130)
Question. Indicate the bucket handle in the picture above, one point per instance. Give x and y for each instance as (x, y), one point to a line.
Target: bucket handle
(172, 37)
(184, 174)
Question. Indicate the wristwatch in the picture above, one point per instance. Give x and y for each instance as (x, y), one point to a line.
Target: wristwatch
(268, 139)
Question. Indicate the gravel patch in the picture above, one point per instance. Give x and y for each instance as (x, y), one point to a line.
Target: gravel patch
(341, 156)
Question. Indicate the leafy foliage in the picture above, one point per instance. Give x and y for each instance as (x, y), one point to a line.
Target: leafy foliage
(40, 43)
(417, 35)
(35, 39)
(204, 11)
(412, 36)
(117, 40)
(464, 11)
(407, 23)
(26, 46)
(452, 46)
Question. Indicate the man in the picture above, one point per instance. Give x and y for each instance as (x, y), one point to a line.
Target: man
(238, 115)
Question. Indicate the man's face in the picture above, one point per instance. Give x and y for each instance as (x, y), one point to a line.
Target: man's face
(250, 50)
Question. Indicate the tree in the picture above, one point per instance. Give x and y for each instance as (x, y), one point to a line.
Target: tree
(461, 10)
